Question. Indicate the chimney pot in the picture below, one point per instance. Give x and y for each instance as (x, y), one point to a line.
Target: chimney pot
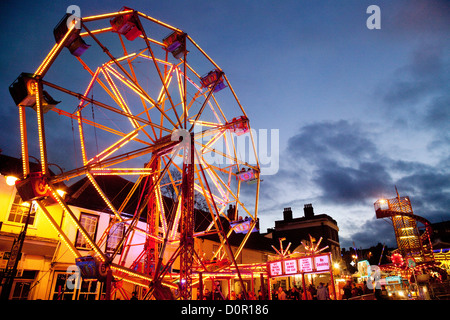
(287, 214)
(308, 210)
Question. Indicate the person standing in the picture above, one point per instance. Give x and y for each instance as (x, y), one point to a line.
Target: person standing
(322, 292)
(281, 294)
(347, 291)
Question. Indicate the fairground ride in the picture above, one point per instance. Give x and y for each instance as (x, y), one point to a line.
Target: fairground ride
(147, 102)
(414, 246)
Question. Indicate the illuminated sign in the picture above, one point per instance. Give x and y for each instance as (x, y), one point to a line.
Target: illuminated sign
(322, 263)
(393, 280)
(290, 267)
(275, 269)
(306, 264)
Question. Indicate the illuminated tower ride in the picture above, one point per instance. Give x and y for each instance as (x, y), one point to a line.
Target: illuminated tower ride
(136, 107)
(410, 242)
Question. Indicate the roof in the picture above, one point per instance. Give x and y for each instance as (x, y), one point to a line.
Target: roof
(10, 166)
(305, 219)
(13, 166)
(256, 240)
(83, 194)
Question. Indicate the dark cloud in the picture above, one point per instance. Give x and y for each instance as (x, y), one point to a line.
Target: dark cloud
(429, 191)
(346, 163)
(345, 185)
(369, 233)
(437, 113)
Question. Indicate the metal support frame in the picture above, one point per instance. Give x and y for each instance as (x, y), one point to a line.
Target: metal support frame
(187, 222)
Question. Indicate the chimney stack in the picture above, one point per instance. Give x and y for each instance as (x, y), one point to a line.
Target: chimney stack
(308, 210)
(287, 214)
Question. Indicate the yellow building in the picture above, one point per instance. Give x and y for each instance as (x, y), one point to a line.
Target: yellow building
(46, 261)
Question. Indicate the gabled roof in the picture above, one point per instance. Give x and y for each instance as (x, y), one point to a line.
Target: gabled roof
(83, 194)
(13, 166)
(256, 240)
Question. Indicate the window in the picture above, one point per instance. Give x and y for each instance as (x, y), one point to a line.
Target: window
(88, 290)
(21, 290)
(19, 211)
(61, 291)
(115, 235)
(78, 289)
(89, 222)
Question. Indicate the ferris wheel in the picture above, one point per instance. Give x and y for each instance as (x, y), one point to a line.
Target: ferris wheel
(143, 101)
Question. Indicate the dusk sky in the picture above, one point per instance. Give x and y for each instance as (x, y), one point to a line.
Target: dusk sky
(359, 111)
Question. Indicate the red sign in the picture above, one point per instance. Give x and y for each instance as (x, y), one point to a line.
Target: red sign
(306, 264)
(290, 266)
(309, 264)
(275, 269)
(322, 263)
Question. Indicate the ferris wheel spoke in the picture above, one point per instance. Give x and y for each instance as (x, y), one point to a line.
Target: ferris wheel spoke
(230, 192)
(115, 146)
(123, 105)
(103, 196)
(105, 106)
(179, 124)
(136, 88)
(94, 75)
(105, 50)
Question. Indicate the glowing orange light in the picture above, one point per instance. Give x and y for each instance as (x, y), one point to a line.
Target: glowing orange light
(103, 196)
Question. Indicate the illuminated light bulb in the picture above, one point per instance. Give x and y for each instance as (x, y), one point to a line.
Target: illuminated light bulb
(11, 180)
(60, 192)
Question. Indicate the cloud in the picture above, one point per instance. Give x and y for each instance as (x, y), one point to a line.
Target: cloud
(418, 17)
(330, 142)
(369, 233)
(346, 185)
(429, 191)
(345, 163)
(341, 166)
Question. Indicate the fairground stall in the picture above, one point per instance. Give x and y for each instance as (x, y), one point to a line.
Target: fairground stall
(303, 272)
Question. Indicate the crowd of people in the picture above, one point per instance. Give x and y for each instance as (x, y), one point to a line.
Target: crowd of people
(322, 292)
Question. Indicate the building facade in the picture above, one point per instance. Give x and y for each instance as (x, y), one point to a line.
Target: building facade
(296, 230)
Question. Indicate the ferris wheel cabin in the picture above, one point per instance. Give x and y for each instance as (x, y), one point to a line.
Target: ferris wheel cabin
(23, 92)
(75, 42)
(239, 125)
(214, 77)
(126, 25)
(176, 44)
